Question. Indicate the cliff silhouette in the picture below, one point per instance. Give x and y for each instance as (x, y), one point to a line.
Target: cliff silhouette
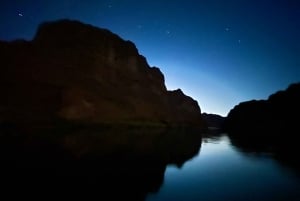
(78, 73)
(279, 113)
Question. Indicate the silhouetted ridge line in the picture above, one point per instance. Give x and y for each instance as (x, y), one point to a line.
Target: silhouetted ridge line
(279, 113)
(79, 73)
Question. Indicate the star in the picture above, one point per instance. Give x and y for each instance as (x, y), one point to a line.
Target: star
(168, 32)
(227, 29)
(239, 41)
(20, 14)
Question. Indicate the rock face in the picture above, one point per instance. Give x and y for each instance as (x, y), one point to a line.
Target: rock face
(79, 73)
(277, 114)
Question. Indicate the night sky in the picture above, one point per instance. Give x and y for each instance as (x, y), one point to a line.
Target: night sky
(220, 52)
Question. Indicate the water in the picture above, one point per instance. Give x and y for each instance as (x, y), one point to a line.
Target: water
(148, 164)
(221, 171)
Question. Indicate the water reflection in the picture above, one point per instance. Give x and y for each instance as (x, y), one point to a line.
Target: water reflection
(212, 136)
(223, 170)
(147, 164)
(101, 163)
(280, 146)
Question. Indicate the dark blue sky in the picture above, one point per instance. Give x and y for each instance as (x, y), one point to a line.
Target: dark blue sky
(220, 52)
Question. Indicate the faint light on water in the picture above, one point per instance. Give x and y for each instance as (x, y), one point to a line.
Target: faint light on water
(221, 172)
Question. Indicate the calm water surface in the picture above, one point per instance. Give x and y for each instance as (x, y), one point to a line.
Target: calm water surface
(221, 172)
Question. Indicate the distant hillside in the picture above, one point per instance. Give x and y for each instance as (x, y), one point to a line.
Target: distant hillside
(213, 120)
(75, 72)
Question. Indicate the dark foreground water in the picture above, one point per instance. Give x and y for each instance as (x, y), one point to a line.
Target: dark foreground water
(221, 171)
(146, 164)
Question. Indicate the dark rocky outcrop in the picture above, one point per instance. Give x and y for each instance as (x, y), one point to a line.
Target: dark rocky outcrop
(280, 113)
(78, 73)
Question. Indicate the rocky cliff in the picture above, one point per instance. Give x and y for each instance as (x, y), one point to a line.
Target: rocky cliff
(75, 72)
(278, 114)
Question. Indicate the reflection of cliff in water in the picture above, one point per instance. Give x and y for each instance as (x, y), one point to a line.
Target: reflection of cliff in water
(278, 145)
(119, 163)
